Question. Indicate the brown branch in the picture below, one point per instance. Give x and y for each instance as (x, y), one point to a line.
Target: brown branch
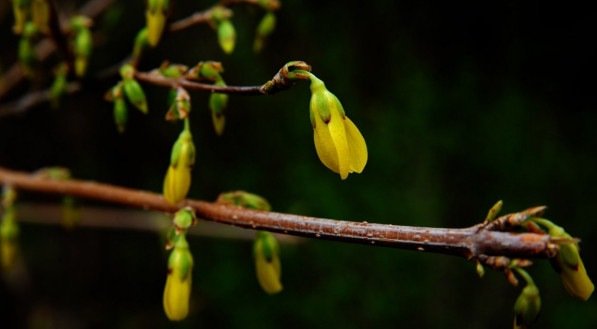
(33, 99)
(200, 17)
(159, 80)
(136, 220)
(471, 243)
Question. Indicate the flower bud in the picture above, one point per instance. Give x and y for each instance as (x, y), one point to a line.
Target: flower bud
(83, 43)
(27, 57)
(155, 16)
(58, 87)
(217, 105)
(40, 15)
(70, 212)
(9, 232)
(180, 107)
(245, 200)
(178, 178)
(338, 142)
(264, 29)
(226, 36)
(570, 266)
(177, 291)
(21, 11)
(141, 42)
(183, 219)
(267, 262)
(527, 306)
(120, 114)
(134, 93)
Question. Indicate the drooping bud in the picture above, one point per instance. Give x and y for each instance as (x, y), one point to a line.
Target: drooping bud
(177, 291)
(267, 262)
(9, 230)
(141, 42)
(178, 177)
(155, 16)
(21, 11)
(82, 44)
(568, 262)
(132, 89)
(180, 107)
(264, 29)
(226, 36)
(338, 142)
(27, 57)
(70, 212)
(528, 303)
(217, 105)
(58, 87)
(40, 15)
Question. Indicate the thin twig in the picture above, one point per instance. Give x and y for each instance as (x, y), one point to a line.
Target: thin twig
(159, 80)
(471, 243)
(33, 99)
(200, 17)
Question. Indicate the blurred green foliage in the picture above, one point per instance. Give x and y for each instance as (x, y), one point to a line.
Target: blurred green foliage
(460, 104)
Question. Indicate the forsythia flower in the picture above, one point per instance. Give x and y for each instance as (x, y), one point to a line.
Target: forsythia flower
(570, 266)
(338, 142)
(178, 177)
(267, 262)
(155, 15)
(178, 283)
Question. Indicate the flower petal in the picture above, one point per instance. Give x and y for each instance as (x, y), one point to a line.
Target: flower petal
(324, 145)
(357, 145)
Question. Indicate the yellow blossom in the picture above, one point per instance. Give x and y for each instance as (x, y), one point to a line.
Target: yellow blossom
(267, 262)
(338, 142)
(178, 177)
(178, 283)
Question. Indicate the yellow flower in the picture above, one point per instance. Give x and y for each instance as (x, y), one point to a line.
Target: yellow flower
(178, 283)
(267, 262)
(178, 177)
(569, 264)
(338, 142)
(572, 272)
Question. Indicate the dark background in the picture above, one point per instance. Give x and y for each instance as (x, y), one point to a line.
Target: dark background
(461, 104)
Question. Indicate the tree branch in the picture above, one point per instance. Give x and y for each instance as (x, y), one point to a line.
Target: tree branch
(159, 80)
(472, 243)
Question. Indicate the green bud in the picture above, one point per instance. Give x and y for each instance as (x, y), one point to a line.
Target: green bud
(9, 232)
(80, 22)
(226, 36)
(173, 70)
(127, 71)
(264, 29)
(180, 106)
(21, 11)
(27, 57)
(83, 45)
(217, 104)
(528, 303)
(155, 16)
(134, 93)
(568, 263)
(40, 14)
(245, 200)
(141, 42)
(120, 114)
(183, 219)
(267, 262)
(494, 211)
(58, 87)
